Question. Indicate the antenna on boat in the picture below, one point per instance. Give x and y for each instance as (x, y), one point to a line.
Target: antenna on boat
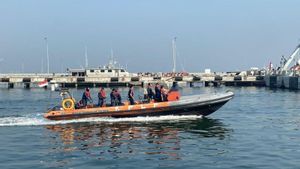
(42, 66)
(22, 67)
(47, 50)
(174, 54)
(112, 61)
(112, 55)
(61, 65)
(1, 60)
(182, 63)
(86, 58)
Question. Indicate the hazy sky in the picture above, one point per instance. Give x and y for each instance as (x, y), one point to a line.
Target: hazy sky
(222, 35)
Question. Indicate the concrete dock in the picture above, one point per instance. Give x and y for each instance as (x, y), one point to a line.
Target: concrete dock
(64, 80)
(284, 82)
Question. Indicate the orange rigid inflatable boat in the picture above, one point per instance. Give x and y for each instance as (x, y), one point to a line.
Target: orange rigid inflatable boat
(204, 104)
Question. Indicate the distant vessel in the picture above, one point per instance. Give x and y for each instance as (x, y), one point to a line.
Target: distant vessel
(112, 69)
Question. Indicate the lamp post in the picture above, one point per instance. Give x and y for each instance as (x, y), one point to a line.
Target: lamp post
(174, 54)
(47, 50)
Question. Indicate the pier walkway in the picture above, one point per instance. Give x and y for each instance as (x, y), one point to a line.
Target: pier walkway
(65, 80)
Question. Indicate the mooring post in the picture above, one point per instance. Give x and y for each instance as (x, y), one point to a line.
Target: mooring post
(27, 85)
(10, 85)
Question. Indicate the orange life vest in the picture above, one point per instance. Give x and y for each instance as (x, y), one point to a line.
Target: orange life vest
(102, 93)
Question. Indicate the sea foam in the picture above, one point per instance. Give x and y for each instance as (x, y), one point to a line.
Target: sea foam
(40, 121)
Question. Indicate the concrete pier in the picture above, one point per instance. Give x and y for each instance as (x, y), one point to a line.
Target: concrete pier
(284, 82)
(32, 80)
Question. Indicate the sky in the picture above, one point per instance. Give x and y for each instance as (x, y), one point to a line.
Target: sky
(222, 35)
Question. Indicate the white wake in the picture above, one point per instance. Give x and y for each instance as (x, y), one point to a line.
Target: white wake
(40, 121)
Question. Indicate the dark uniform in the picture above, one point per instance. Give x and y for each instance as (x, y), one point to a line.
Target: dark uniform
(150, 93)
(112, 98)
(130, 96)
(157, 93)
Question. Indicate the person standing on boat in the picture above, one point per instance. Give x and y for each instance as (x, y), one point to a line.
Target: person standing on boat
(112, 98)
(131, 95)
(86, 96)
(157, 93)
(150, 92)
(101, 97)
(117, 96)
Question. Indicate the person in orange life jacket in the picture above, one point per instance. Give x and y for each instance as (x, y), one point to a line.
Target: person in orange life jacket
(131, 95)
(164, 93)
(101, 97)
(86, 96)
(157, 93)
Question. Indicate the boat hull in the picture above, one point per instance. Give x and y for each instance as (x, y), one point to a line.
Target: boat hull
(197, 105)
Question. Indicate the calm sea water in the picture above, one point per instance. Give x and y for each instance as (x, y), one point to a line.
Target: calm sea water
(259, 128)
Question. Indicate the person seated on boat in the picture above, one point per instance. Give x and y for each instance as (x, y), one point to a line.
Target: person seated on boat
(164, 93)
(150, 92)
(79, 105)
(86, 96)
(101, 97)
(157, 93)
(131, 95)
(173, 93)
(174, 87)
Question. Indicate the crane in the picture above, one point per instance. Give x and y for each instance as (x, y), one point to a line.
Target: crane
(292, 60)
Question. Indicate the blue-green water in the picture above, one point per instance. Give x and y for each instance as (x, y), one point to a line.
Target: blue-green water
(259, 128)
